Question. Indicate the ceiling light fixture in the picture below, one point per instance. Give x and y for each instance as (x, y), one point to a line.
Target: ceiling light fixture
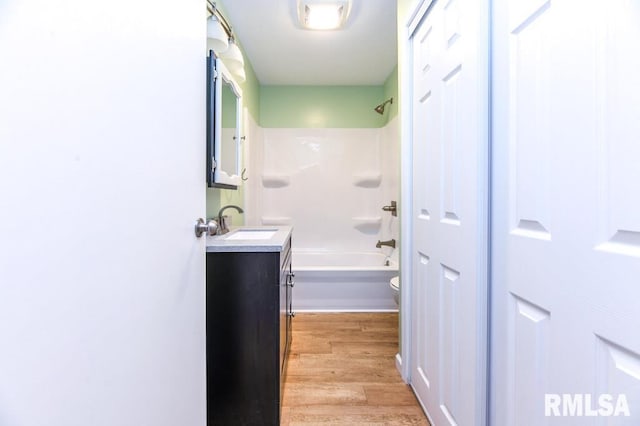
(323, 14)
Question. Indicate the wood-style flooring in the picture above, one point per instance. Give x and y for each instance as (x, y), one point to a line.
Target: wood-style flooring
(342, 372)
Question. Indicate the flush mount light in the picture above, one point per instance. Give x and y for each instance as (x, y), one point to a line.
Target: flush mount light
(323, 14)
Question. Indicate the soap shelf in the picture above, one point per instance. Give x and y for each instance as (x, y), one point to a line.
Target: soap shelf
(275, 220)
(367, 180)
(275, 180)
(367, 224)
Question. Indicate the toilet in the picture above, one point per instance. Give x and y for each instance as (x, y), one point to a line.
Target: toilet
(394, 283)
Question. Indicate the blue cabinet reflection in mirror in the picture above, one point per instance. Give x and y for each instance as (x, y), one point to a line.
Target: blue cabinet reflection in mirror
(224, 124)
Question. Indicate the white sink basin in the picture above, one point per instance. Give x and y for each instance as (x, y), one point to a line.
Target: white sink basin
(252, 234)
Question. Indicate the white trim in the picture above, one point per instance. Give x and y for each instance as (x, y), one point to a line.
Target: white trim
(406, 204)
(398, 362)
(483, 345)
(498, 413)
(418, 14)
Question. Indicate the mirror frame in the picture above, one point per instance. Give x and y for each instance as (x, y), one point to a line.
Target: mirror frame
(216, 176)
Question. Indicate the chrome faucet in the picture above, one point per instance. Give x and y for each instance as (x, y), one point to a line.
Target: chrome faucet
(391, 243)
(223, 228)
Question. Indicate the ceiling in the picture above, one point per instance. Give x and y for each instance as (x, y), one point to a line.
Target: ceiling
(282, 53)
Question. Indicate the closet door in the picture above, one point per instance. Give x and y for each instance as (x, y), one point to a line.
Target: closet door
(566, 228)
(449, 144)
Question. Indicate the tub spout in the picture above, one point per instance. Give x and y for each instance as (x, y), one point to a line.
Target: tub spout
(391, 243)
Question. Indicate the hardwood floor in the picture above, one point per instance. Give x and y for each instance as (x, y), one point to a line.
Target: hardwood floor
(342, 372)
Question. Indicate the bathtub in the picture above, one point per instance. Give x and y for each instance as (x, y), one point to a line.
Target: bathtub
(343, 281)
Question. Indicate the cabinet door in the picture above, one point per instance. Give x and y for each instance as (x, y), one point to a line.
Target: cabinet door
(289, 301)
(285, 276)
(243, 338)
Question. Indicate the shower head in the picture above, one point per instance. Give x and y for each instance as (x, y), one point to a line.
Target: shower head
(380, 108)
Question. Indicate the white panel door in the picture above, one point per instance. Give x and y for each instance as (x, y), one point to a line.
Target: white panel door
(449, 139)
(102, 176)
(566, 226)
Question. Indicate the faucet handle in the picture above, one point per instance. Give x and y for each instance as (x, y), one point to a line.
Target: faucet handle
(223, 227)
(393, 208)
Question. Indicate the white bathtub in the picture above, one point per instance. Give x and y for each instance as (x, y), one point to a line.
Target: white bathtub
(342, 281)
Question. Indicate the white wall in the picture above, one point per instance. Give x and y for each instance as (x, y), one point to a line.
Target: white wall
(390, 185)
(329, 184)
(252, 147)
(102, 109)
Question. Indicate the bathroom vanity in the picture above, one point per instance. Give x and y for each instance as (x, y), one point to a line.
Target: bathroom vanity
(249, 288)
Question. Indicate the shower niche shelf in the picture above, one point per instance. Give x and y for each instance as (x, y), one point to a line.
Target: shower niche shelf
(367, 224)
(367, 180)
(275, 220)
(275, 180)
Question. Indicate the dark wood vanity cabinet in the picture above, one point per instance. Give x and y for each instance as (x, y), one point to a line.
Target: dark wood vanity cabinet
(248, 335)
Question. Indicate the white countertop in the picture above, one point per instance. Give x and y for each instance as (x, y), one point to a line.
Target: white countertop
(230, 243)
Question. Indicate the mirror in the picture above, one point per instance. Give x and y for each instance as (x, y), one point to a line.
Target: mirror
(224, 124)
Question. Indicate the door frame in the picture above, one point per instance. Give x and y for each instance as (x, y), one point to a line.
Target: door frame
(483, 341)
(403, 360)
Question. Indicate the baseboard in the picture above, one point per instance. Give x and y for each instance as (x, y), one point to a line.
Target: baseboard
(399, 367)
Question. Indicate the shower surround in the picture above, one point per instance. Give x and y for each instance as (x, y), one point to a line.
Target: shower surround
(330, 185)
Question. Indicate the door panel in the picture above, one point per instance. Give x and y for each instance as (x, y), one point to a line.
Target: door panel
(102, 119)
(566, 223)
(449, 143)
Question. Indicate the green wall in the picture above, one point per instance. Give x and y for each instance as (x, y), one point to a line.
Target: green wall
(391, 91)
(321, 106)
(307, 107)
(216, 198)
(250, 87)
